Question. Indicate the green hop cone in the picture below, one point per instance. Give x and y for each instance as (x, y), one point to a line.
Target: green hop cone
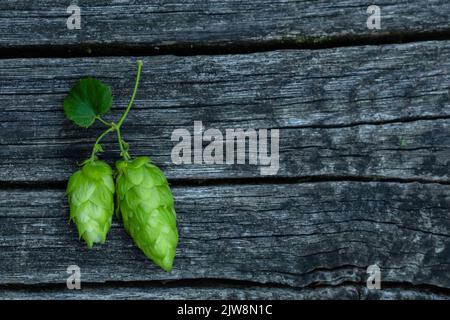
(146, 205)
(91, 199)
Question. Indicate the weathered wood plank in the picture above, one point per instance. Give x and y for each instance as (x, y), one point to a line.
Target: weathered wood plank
(344, 112)
(292, 234)
(402, 294)
(363, 151)
(170, 292)
(217, 292)
(189, 22)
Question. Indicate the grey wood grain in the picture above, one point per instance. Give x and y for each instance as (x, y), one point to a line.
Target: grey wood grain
(170, 292)
(361, 111)
(402, 294)
(295, 235)
(213, 291)
(223, 22)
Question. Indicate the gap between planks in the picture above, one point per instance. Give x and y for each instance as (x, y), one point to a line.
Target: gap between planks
(187, 49)
(204, 182)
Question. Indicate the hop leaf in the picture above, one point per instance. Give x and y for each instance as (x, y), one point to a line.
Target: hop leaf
(87, 99)
(145, 203)
(91, 198)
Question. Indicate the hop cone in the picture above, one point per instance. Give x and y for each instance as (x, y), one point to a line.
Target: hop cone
(146, 205)
(91, 199)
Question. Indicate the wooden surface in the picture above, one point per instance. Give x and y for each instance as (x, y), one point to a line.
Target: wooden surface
(364, 147)
(360, 111)
(217, 22)
(288, 234)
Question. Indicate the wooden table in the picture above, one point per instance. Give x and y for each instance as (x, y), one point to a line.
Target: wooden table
(364, 120)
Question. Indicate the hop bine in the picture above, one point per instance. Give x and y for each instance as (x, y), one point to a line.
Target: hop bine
(144, 200)
(91, 192)
(145, 203)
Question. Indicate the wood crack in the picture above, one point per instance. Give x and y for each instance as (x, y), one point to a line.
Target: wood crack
(87, 49)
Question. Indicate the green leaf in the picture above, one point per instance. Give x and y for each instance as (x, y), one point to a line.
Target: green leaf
(87, 99)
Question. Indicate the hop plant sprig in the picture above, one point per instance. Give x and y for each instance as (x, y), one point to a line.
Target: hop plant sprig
(143, 196)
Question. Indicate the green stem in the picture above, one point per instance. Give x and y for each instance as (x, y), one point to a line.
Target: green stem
(123, 150)
(112, 128)
(136, 85)
(103, 121)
